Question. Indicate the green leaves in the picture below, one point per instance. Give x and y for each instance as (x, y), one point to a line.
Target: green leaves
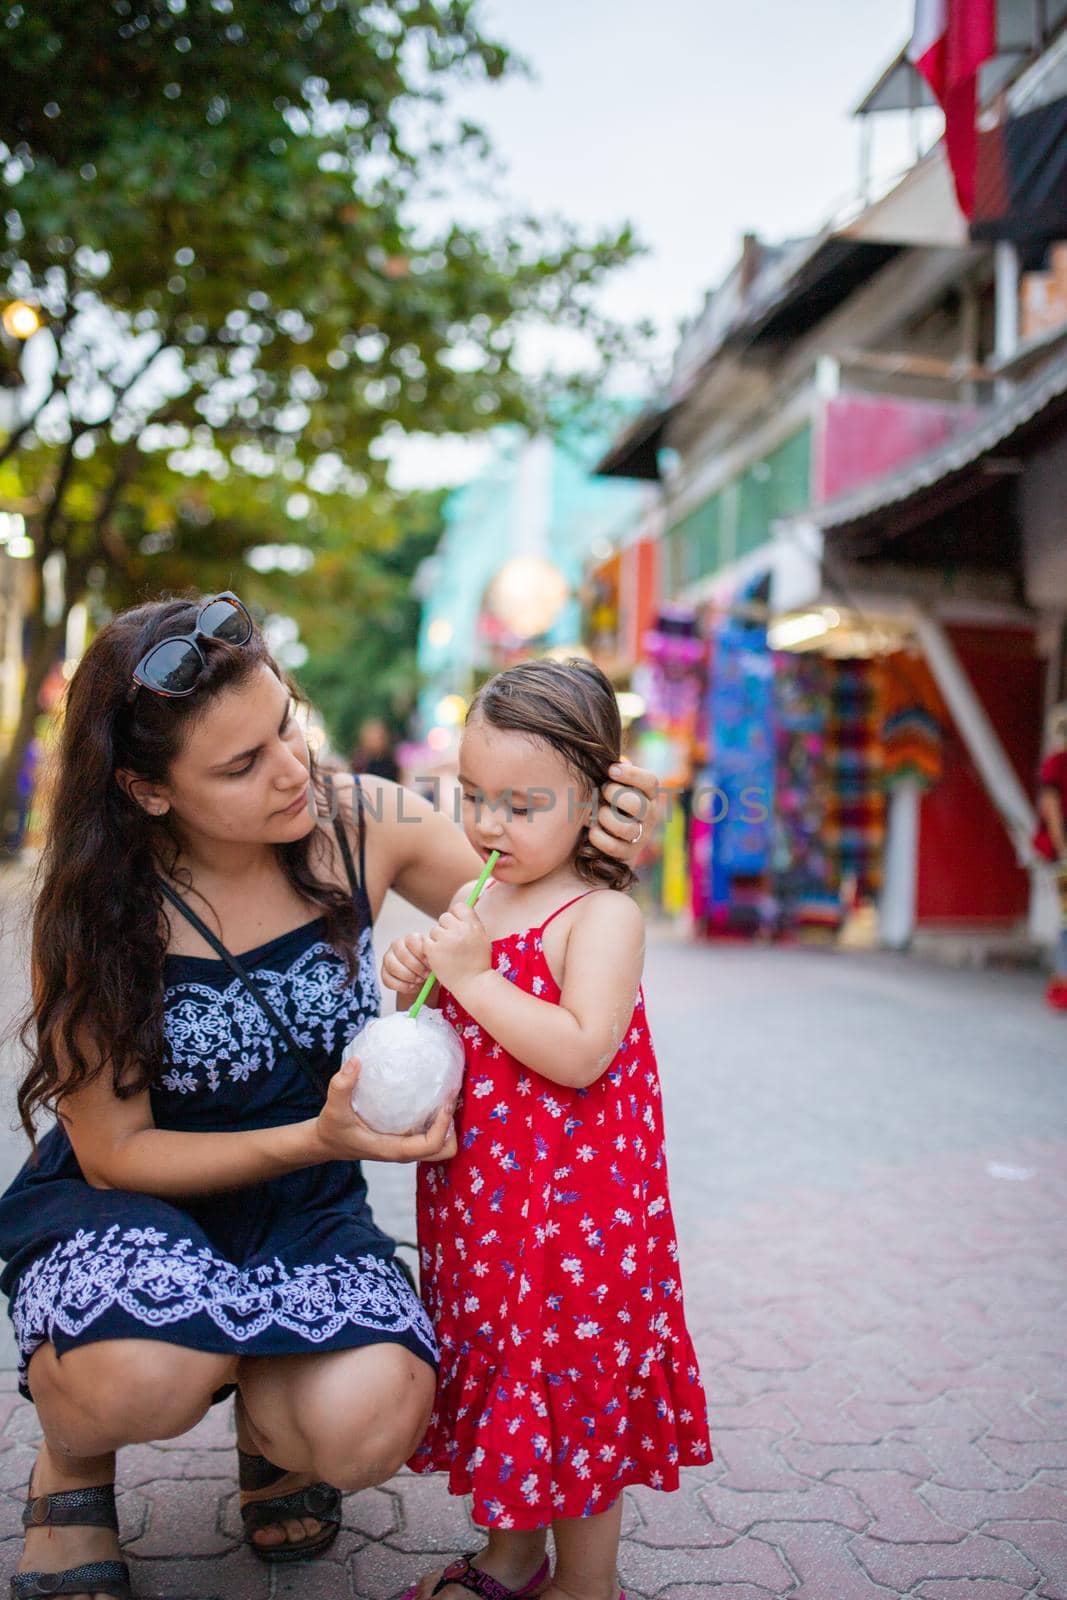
(230, 187)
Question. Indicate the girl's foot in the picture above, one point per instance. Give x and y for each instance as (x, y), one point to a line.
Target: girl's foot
(555, 1592)
(57, 1547)
(523, 1572)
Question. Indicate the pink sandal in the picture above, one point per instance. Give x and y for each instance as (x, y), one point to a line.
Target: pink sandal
(461, 1572)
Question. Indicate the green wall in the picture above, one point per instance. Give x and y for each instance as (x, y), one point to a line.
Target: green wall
(738, 518)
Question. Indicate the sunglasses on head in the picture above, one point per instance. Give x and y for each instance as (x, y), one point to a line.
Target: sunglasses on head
(172, 668)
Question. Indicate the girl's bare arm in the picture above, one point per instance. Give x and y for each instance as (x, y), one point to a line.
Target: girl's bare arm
(573, 1042)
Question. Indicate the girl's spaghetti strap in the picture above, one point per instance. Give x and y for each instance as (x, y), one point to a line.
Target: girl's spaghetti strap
(567, 906)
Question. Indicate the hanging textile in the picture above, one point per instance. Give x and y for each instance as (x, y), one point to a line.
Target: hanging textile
(736, 789)
(803, 876)
(913, 725)
(855, 815)
(1022, 182)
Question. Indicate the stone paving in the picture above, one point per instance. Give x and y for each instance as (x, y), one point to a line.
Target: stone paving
(868, 1162)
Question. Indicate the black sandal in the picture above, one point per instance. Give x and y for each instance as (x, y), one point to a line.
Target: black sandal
(74, 1508)
(319, 1500)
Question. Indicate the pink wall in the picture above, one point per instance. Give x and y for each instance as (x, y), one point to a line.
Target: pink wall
(862, 437)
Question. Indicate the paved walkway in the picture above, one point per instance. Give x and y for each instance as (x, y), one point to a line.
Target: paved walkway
(869, 1164)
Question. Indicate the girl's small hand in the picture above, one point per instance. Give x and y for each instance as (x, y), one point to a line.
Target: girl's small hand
(458, 947)
(628, 808)
(405, 966)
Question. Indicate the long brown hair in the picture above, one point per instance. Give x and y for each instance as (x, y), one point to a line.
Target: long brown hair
(569, 706)
(99, 933)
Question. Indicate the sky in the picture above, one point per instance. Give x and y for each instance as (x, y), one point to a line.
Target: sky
(697, 120)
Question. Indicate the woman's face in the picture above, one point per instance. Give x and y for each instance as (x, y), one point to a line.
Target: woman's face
(242, 774)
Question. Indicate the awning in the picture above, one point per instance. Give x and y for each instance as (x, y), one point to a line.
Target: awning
(900, 88)
(920, 210)
(998, 426)
(634, 453)
(807, 286)
(977, 463)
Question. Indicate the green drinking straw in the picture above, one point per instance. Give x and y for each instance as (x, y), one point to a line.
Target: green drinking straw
(471, 901)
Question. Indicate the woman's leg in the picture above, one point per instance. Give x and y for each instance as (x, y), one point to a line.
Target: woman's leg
(350, 1417)
(95, 1399)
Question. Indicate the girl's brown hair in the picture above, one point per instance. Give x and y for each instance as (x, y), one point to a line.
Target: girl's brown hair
(569, 706)
(99, 932)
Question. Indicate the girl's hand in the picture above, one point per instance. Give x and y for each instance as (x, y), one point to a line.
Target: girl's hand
(341, 1135)
(627, 808)
(458, 947)
(405, 966)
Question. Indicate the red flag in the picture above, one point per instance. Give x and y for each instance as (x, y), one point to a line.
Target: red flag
(951, 40)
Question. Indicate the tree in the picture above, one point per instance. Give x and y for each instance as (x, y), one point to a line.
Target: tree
(365, 664)
(218, 207)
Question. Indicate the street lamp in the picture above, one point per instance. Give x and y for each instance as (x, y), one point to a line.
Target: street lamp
(21, 320)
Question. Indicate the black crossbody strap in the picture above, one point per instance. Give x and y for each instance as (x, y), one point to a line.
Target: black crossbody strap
(280, 1027)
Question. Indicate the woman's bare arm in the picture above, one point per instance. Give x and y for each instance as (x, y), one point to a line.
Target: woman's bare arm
(118, 1145)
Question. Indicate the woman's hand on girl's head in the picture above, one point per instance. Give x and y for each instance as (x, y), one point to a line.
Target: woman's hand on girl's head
(342, 1135)
(404, 966)
(629, 805)
(458, 947)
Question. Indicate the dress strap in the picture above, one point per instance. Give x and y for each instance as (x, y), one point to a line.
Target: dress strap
(565, 907)
(355, 884)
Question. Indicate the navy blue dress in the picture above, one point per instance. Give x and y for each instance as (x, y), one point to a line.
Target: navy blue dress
(291, 1265)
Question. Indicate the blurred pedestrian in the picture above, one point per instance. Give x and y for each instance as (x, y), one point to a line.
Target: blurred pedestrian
(1050, 840)
(374, 752)
(25, 786)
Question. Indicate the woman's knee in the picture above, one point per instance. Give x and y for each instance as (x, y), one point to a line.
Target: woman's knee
(130, 1391)
(368, 1440)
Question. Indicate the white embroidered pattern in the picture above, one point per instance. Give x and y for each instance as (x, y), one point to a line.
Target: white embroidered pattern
(160, 1282)
(213, 1034)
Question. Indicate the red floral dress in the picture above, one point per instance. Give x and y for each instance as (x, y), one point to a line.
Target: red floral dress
(549, 1267)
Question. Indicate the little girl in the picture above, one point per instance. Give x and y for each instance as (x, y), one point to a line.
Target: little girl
(547, 1246)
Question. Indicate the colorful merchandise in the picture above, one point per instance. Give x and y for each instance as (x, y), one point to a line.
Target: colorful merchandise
(855, 814)
(803, 876)
(914, 722)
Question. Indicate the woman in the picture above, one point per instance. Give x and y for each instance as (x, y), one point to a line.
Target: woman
(199, 1213)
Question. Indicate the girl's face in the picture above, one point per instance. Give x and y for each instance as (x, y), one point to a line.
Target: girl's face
(519, 797)
(242, 774)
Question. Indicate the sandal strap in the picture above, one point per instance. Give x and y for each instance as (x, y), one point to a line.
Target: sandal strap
(73, 1508)
(100, 1577)
(319, 1500)
(255, 1471)
(466, 1576)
